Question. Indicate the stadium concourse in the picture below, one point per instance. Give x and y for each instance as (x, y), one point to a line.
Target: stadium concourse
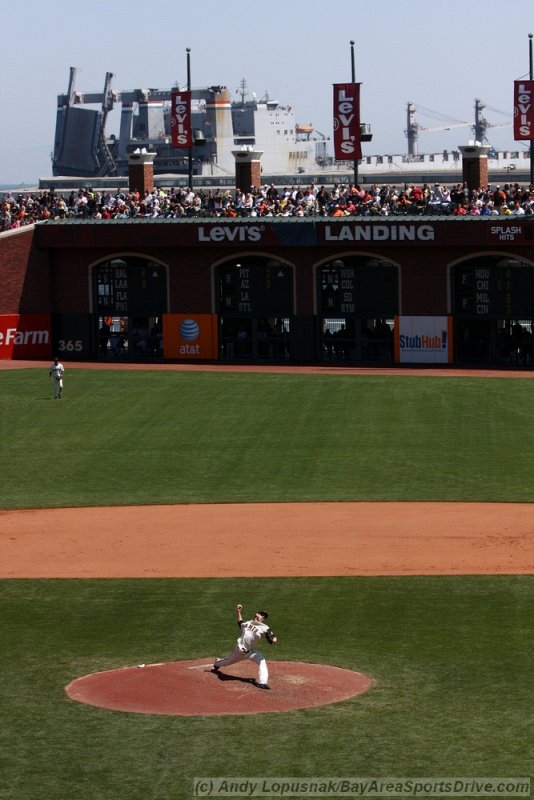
(363, 538)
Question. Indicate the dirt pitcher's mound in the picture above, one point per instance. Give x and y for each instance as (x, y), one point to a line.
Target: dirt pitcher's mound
(191, 688)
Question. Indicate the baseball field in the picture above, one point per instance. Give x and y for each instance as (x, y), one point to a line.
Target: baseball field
(385, 520)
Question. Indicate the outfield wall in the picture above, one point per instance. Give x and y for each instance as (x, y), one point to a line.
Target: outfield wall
(356, 290)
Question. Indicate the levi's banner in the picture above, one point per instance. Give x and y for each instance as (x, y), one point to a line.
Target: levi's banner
(25, 336)
(347, 142)
(181, 119)
(523, 110)
(190, 336)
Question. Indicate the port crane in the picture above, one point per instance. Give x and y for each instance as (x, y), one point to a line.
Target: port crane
(479, 128)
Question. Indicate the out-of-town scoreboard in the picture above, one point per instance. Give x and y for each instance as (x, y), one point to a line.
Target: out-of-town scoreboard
(489, 290)
(256, 288)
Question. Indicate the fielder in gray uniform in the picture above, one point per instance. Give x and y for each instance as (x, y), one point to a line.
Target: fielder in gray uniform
(252, 631)
(56, 372)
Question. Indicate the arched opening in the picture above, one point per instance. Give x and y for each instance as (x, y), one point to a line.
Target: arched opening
(254, 299)
(357, 300)
(129, 299)
(493, 309)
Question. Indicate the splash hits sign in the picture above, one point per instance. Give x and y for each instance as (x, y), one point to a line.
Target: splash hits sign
(181, 132)
(347, 142)
(523, 110)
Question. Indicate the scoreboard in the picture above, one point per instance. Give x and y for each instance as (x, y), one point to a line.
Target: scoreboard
(130, 286)
(351, 288)
(489, 290)
(256, 288)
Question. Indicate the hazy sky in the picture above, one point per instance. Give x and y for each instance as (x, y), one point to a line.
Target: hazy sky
(440, 56)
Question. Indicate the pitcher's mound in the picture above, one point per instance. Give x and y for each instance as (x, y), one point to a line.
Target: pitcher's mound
(191, 688)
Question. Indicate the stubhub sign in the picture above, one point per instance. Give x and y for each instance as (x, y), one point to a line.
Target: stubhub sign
(423, 340)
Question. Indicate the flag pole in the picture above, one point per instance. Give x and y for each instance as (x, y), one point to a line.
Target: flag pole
(531, 75)
(190, 152)
(353, 72)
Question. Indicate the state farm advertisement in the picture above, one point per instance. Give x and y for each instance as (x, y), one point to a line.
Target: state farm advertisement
(181, 132)
(347, 142)
(25, 336)
(523, 110)
(423, 340)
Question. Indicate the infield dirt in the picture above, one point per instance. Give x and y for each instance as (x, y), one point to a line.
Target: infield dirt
(304, 539)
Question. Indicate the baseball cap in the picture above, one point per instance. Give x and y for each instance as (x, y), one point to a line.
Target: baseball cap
(264, 614)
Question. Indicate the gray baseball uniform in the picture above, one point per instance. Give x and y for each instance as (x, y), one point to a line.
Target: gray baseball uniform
(56, 372)
(252, 631)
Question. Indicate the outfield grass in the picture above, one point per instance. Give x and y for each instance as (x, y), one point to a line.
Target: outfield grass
(140, 437)
(452, 659)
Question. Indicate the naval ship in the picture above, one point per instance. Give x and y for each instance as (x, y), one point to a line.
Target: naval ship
(220, 124)
(291, 151)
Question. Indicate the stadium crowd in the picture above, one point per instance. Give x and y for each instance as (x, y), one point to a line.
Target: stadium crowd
(340, 200)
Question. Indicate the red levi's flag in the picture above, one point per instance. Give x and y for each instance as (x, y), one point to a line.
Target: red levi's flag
(347, 142)
(523, 109)
(182, 135)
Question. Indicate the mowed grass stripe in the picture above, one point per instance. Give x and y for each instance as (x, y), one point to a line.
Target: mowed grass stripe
(451, 658)
(138, 437)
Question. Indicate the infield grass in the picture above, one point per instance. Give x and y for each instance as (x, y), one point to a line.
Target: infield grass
(136, 437)
(452, 660)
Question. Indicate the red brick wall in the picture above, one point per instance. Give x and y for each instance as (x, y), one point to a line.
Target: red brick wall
(188, 274)
(423, 266)
(424, 285)
(141, 178)
(25, 277)
(71, 282)
(247, 175)
(475, 172)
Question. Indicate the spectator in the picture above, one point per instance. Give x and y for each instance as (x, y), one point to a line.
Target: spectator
(340, 200)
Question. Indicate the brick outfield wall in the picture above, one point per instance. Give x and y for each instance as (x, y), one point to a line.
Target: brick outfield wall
(46, 268)
(25, 274)
(190, 271)
(423, 269)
